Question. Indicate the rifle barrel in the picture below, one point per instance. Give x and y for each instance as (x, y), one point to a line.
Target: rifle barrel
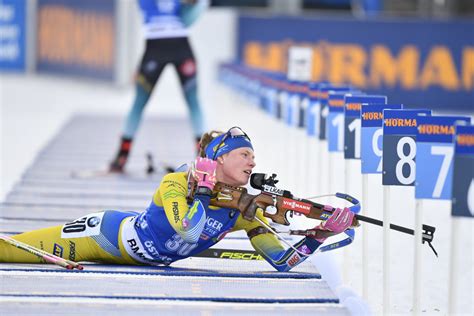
(427, 235)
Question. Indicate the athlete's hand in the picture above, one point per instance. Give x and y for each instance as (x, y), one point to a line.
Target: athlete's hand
(204, 172)
(340, 220)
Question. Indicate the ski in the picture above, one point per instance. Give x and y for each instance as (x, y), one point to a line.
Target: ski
(234, 254)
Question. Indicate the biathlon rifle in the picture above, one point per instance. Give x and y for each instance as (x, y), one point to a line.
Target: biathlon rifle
(277, 204)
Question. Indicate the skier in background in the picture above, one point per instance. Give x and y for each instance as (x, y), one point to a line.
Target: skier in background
(165, 28)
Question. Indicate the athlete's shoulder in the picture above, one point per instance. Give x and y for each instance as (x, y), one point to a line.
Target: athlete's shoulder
(174, 181)
(177, 180)
(172, 185)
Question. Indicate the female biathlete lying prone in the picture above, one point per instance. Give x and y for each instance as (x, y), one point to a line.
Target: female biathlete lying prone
(171, 229)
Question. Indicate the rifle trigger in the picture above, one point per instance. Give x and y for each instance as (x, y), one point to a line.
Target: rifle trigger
(270, 209)
(221, 196)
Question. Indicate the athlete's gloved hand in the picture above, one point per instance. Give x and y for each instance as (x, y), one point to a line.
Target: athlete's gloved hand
(204, 172)
(340, 220)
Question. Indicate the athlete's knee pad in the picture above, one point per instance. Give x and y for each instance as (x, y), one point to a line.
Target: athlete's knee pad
(187, 70)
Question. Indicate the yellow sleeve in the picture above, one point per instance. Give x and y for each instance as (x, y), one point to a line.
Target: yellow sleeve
(264, 244)
(171, 195)
(270, 248)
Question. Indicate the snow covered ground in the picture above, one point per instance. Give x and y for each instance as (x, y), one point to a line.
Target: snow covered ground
(34, 107)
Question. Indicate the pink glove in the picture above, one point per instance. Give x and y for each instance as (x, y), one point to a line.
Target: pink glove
(340, 220)
(204, 172)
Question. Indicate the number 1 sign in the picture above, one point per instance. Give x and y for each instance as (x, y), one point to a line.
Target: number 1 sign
(323, 96)
(335, 121)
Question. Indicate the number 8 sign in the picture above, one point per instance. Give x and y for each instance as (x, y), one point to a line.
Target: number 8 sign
(435, 156)
(399, 146)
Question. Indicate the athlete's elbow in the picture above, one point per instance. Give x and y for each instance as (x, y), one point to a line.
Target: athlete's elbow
(190, 237)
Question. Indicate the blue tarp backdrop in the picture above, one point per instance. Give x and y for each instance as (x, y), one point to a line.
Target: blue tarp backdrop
(12, 35)
(420, 63)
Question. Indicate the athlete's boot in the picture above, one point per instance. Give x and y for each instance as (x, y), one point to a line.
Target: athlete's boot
(118, 164)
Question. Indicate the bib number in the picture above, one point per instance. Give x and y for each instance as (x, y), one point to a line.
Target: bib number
(86, 226)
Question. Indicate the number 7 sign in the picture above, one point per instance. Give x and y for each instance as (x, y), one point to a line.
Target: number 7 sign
(435, 156)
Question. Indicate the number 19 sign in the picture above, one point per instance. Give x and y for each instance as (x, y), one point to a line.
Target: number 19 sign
(399, 147)
(371, 136)
(352, 125)
(435, 151)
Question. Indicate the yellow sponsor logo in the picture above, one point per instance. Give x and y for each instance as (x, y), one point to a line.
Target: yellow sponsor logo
(353, 106)
(465, 140)
(431, 129)
(240, 256)
(392, 122)
(373, 67)
(372, 116)
(339, 103)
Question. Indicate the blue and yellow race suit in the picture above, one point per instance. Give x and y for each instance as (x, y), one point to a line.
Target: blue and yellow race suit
(157, 235)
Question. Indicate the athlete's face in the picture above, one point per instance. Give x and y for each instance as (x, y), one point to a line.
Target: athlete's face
(235, 167)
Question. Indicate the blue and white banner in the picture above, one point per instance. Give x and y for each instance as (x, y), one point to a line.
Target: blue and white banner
(13, 35)
(435, 151)
(399, 146)
(352, 125)
(463, 172)
(432, 63)
(371, 136)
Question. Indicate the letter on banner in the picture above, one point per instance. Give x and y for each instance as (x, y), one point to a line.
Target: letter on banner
(463, 172)
(372, 132)
(352, 125)
(399, 146)
(435, 151)
(300, 63)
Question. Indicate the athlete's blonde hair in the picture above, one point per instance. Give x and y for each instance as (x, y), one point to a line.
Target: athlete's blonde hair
(206, 138)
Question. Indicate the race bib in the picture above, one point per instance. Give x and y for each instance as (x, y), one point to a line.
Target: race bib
(85, 226)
